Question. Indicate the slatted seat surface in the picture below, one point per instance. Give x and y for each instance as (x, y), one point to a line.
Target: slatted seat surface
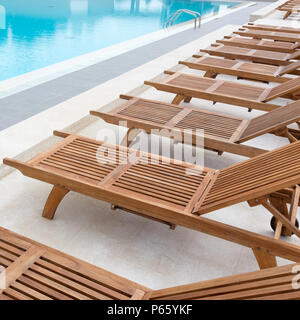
(243, 69)
(148, 111)
(214, 124)
(272, 28)
(186, 80)
(161, 115)
(238, 65)
(259, 44)
(217, 128)
(249, 176)
(36, 272)
(153, 183)
(229, 88)
(115, 169)
(264, 34)
(269, 284)
(224, 91)
(167, 191)
(261, 56)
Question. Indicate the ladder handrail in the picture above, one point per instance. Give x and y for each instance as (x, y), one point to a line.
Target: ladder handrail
(178, 13)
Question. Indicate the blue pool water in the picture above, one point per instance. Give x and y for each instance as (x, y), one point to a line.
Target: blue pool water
(38, 33)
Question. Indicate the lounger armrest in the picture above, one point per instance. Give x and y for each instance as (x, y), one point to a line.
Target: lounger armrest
(13, 163)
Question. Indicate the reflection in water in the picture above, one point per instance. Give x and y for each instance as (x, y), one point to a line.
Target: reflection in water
(42, 32)
(2, 18)
(78, 7)
(135, 6)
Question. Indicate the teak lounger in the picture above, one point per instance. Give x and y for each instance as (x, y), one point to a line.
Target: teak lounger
(269, 45)
(36, 272)
(264, 34)
(174, 192)
(242, 69)
(271, 28)
(187, 86)
(221, 132)
(289, 9)
(269, 284)
(260, 56)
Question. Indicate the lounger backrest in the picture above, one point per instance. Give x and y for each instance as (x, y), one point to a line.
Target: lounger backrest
(289, 68)
(271, 121)
(256, 177)
(283, 89)
(271, 28)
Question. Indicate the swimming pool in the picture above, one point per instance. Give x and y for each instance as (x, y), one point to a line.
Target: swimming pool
(39, 33)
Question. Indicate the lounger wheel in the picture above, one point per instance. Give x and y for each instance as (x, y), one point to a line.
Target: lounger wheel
(273, 224)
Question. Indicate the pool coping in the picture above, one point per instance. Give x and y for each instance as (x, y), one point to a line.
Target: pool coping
(34, 78)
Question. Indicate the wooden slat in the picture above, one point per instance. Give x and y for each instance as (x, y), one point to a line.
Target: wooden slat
(241, 69)
(144, 199)
(244, 178)
(272, 282)
(272, 121)
(260, 56)
(228, 92)
(259, 44)
(264, 34)
(41, 273)
(19, 266)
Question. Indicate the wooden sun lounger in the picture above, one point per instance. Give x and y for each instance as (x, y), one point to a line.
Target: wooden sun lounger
(268, 45)
(269, 284)
(187, 86)
(242, 69)
(260, 56)
(36, 272)
(289, 9)
(271, 28)
(174, 192)
(264, 34)
(222, 132)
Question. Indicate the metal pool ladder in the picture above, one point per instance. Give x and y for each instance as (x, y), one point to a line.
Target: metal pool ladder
(178, 13)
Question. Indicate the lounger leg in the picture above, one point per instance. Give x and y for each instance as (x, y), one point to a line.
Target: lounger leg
(287, 14)
(210, 74)
(264, 258)
(131, 134)
(55, 197)
(281, 206)
(187, 99)
(178, 99)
